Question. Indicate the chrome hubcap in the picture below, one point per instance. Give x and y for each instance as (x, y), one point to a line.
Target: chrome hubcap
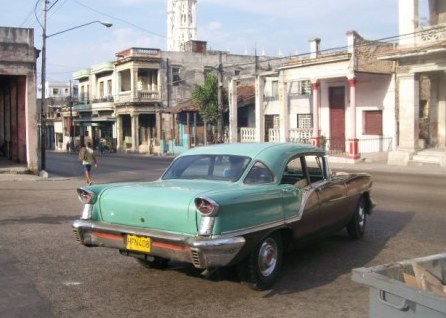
(267, 257)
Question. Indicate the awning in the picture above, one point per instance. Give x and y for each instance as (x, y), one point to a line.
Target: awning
(95, 120)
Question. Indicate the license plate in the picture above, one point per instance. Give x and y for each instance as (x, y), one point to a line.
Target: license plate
(138, 243)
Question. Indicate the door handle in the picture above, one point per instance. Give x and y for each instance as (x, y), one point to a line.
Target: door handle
(288, 190)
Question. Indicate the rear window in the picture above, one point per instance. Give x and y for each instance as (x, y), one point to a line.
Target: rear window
(208, 167)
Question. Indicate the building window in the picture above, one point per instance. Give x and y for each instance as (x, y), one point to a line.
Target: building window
(176, 76)
(275, 89)
(301, 88)
(373, 122)
(101, 89)
(272, 122)
(109, 88)
(305, 121)
(55, 91)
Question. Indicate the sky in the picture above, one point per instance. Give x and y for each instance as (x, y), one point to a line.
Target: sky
(273, 28)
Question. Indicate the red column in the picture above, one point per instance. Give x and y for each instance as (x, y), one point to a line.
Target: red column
(353, 148)
(316, 137)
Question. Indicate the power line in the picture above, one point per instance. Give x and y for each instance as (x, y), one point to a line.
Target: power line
(386, 40)
(119, 19)
(28, 18)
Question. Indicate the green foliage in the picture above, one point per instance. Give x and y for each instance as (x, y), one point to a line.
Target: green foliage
(206, 98)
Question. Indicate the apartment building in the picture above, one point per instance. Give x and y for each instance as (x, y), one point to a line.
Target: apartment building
(132, 101)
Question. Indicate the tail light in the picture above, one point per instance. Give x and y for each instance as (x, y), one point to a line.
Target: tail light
(85, 196)
(206, 207)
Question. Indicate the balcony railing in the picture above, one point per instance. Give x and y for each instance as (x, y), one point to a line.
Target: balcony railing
(273, 135)
(430, 34)
(139, 52)
(247, 134)
(141, 96)
(333, 146)
(300, 135)
(103, 99)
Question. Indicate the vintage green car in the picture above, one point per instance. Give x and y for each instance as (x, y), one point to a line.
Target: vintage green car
(229, 204)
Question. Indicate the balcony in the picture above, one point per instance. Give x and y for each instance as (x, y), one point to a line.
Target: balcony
(138, 97)
(103, 103)
(138, 53)
(426, 35)
(83, 74)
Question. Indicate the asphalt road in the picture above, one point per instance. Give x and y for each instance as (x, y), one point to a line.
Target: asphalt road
(45, 273)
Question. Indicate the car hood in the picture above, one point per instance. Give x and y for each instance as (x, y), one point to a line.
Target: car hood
(160, 205)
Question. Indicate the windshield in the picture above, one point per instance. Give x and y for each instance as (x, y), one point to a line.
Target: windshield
(208, 167)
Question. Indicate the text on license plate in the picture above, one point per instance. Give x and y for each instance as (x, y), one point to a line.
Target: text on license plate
(138, 243)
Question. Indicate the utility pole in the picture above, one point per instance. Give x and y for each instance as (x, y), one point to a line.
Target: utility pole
(71, 120)
(220, 99)
(42, 100)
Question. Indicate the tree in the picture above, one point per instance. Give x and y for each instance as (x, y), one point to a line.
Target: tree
(206, 98)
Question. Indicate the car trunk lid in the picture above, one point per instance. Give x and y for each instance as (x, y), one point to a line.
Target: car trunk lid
(164, 205)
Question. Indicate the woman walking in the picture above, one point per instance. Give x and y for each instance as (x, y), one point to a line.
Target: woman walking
(86, 154)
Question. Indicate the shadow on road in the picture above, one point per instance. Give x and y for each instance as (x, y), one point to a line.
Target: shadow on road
(324, 261)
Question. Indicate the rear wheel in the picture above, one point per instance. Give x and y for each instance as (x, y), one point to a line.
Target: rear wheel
(261, 268)
(356, 226)
(157, 262)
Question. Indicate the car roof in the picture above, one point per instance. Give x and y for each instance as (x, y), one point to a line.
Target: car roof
(253, 149)
(266, 152)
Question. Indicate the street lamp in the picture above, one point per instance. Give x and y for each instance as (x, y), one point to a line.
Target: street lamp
(42, 101)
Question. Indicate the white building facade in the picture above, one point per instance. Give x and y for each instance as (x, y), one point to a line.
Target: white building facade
(342, 100)
(421, 81)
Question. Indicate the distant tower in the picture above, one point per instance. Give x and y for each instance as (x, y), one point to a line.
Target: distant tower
(181, 23)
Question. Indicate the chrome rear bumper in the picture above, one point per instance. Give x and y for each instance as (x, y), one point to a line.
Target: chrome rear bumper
(202, 252)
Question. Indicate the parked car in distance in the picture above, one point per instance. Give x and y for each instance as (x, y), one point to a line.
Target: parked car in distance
(227, 204)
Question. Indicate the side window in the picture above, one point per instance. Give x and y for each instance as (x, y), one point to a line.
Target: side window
(315, 168)
(295, 173)
(259, 174)
(233, 167)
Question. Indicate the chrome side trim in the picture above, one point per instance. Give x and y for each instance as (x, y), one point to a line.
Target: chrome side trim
(252, 229)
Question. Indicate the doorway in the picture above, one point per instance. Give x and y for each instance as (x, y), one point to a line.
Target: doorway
(337, 118)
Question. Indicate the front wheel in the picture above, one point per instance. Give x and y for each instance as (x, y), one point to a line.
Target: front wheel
(356, 226)
(261, 268)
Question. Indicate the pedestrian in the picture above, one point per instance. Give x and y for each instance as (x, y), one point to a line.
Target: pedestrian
(86, 155)
(101, 145)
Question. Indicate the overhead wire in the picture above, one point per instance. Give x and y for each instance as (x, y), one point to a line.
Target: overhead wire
(119, 19)
(389, 40)
(28, 18)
